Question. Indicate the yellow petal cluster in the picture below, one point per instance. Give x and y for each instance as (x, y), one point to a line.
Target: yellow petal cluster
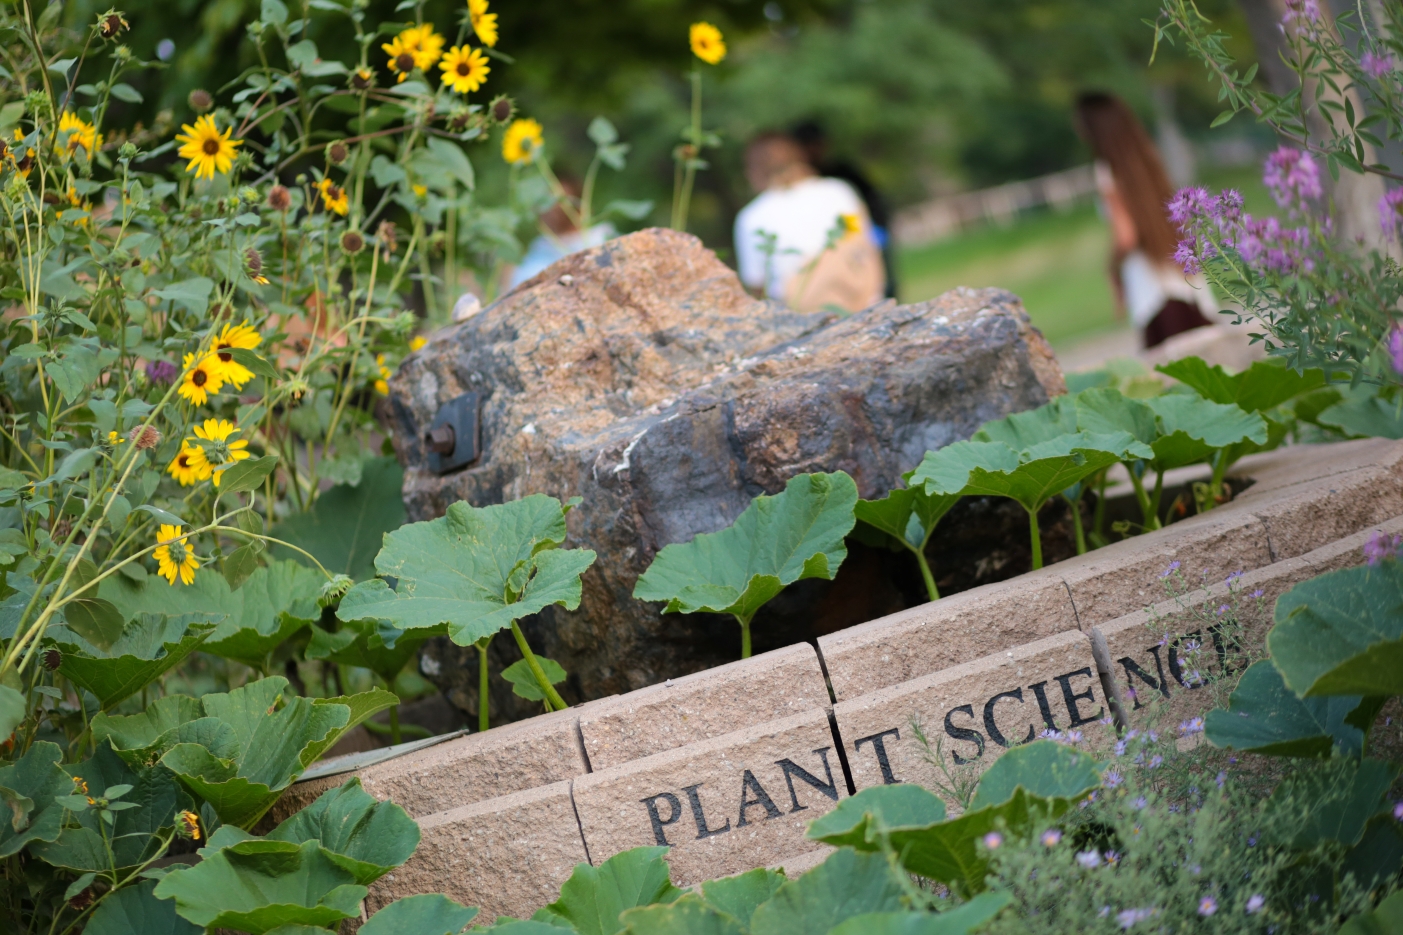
(208, 150)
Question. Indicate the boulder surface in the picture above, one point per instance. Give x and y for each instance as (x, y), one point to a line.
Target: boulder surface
(641, 376)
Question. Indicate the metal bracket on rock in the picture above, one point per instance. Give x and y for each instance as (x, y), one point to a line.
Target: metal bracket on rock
(452, 440)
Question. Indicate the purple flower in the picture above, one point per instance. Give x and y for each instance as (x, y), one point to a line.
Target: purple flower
(1221, 778)
(162, 371)
(1191, 726)
(1072, 737)
(1390, 207)
(1398, 811)
(1089, 859)
(1130, 917)
(1173, 567)
(1304, 12)
(1380, 547)
(1395, 349)
(1051, 837)
(1257, 593)
(1255, 902)
(1113, 779)
(1120, 748)
(993, 839)
(1156, 761)
(1376, 66)
(1222, 609)
(1191, 204)
(1140, 803)
(1187, 258)
(1207, 906)
(1292, 175)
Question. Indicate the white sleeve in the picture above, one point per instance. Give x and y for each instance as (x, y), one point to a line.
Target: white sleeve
(750, 262)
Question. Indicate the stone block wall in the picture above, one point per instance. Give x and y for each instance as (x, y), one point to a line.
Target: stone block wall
(728, 766)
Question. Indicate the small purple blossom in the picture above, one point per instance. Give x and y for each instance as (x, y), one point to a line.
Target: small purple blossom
(1120, 748)
(1193, 646)
(1140, 803)
(162, 371)
(1292, 176)
(1306, 13)
(1221, 778)
(1192, 204)
(1375, 65)
(1072, 737)
(1380, 547)
(1191, 726)
(1186, 256)
(1257, 593)
(1173, 567)
(1395, 349)
(1090, 860)
(1113, 779)
(1207, 906)
(1398, 811)
(1130, 917)
(1051, 837)
(1156, 761)
(1255, 902)
(1390, 210)
(1232, 578)
(1222, 609)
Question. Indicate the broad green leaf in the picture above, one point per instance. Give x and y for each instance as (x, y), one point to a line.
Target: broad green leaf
(739, 896)
(1044, 768)
(523, 681)
(252, 362)
(135, 910)
(776, 541)
(847, 884)
(1333, 802)
(1106, 410)
(1378, 856)
(907, 514)
(958, 921)
(346, 525)
(1341, 633)
(30, 786)
(594, 897)
(1363, 411)
(1192, 428)
(858, 819)
(191, 293)
(148, 647)
(370, 644)
(12, 711)
(430, 914)
(154, 728)
(97, 621)
(365, 836)
(1264, 716)
(689, 915)
(247, 474)
(1034, 426)
(1264, 385)
(257, 885)
(1386, 919)
(362, 705)
(475, 569)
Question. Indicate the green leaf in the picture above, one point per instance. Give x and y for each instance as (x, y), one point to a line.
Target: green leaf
(909, 515)
(1044, 768)
(135, 910)
(1332, 802)
(451, 157)
(524, 684)
(12, 711)
(365, 836)
(1192, 428)
(430, 914)
(1386, 919)
(457, 569)
(1341, 633)
(1264, 385)
(958, 921)
(346, 525)
(241, 563)
(1034, 426)
(1264, 716)
(858, 819)
(147, 648)
(601, 132)
(154, 730)
(247, 475)
(739, 896)
(370, 644)
(689, 915)
(1363, 411)
(30, 785)
(845, 885)
(257, 885)
(594, 897)
(776, 541)
(252, 362)
(1105, 410)
(192, 293)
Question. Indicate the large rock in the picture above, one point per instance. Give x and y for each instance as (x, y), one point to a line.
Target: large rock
(641, 376)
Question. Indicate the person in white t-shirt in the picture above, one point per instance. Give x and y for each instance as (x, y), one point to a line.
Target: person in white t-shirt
(804, 240)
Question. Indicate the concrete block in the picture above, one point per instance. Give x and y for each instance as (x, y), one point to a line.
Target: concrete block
(953, 630)
(724, 805)
(703, 706)
(1297, 464)
(974, 712)
(1302, 517)
(507, 856)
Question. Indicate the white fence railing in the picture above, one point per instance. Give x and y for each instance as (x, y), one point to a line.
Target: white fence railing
(942, 217)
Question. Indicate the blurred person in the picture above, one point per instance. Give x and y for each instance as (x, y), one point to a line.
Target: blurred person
(559, 237)
(804, 240)
(814, 138)
(1149, 286)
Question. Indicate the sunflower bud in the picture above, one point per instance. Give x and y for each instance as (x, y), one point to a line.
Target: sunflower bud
(146, 437)
(502, 108)
(279, 198)
(338, 152)
(362, 79)
(52, 659)
(187, 825)
(112, 24)
(334, 590)
(352, 242)
(128, 151)
(200, 101)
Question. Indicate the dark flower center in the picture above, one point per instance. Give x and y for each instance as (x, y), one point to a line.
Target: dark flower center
(184, 461)
(198, 378)
(211, 147)
(404, 62)
(463, 69)
(223, 354)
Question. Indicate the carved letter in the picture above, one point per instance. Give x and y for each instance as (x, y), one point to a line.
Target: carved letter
(962, 733)
(1133, 671)
(993, 728)
(1176, 669)
(674, 813)
(830, 788)
(881, 749)
(702, 830)
(1040, 693)
(1071, 700)
(762, 798)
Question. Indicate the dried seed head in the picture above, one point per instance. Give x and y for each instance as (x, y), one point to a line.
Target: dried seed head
(146, 437)
(337, 152)
(200, 101)
(502, 109)
(83, 900)
(50, 198)
(387, 234)
(362, 79)
(352, 242)
(254, 261)
(112, 24)
(279, 198)
(52, 659)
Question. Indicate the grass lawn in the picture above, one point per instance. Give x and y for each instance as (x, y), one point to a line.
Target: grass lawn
(1056, 263)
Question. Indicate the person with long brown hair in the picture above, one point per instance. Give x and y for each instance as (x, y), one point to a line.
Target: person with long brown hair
(1135, 190)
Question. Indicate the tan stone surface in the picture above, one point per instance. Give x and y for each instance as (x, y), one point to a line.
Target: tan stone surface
(1306, 516)
(702, 706)
(954, 706)
(950, 631)
(1296, 464)
(793, 867)
(507, 856)
(691, 798)
(524, 755)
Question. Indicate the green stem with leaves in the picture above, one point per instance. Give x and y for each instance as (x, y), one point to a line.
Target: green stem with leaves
(552, 696)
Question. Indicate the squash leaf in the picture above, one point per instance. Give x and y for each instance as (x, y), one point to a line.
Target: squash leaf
(592, 900)
(523, 680)
(135, 910)
(1264, 716)
(1264, 385)
(28, 786)
(849, 883)
(149, 646)
(428, 914)
(1363, 411)
(346, 525)
(364, 835)
(370, 644)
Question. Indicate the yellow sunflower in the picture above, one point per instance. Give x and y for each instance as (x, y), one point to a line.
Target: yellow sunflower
(82, 208)
(24, 164)
(382, 385)
(334, 197)
(230, 370)
(484, 23)
(208, 150)
(174, 557)
(75, 132)
(522, 142)
(218, 431)
(464, 69)
(707, 44)
(190, 466)
(203, 378)
(416, 47)
(418, 341)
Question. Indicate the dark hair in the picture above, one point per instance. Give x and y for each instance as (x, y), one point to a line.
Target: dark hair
(1117, 137)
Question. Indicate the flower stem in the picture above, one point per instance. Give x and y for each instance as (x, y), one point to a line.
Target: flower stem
(482, 719)
(1036, 539)
(931, 590)
(1076, 524)
(744, 635)
(552, 696)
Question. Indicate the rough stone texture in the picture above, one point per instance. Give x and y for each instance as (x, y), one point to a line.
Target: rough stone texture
(512, 758)
(956, 629)
(1302, 517)
(704, 705)
(640, 376)
(722, 773)
(966, 698)
(1284, 467)
(507, 856)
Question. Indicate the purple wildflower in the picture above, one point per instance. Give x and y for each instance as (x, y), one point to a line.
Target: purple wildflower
(1186, 257)
(1140, 803)
(1113, 779)
(1089, 859)
(1051, 837)
(1380, 547)
(1072, 737)
(1257, 593)
(1156, 761)
(162, 371)
(1120, 748)
(993, 839)
(1221, 778)
(1128, 918)
(1395, 349)
(1232, 578)
(1173, 567)
(1376, 66)
(1305, 12)
(1207, 906)
(1390, 209)
(1398, 811)
(1191, 726)
(1292, 176)
(1255, 902)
